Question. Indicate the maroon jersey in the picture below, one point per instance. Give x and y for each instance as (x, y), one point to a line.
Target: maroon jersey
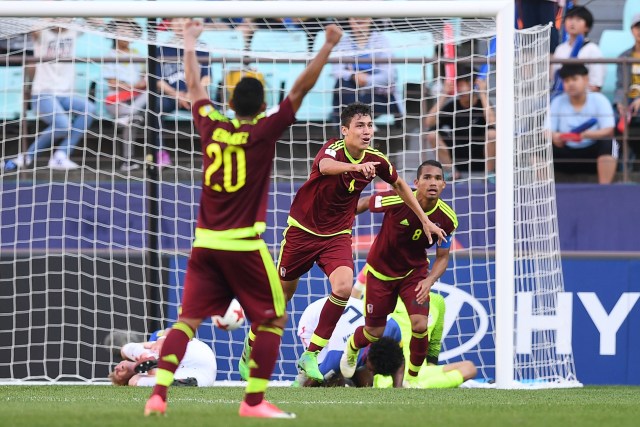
(401, 244)
(237, 158)
(325, 205)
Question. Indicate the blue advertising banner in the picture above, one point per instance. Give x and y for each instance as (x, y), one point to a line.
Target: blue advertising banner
(597, 320)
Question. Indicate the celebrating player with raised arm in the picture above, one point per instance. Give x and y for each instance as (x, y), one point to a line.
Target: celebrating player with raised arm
(397, 265)
(321, 218)
(237, 162)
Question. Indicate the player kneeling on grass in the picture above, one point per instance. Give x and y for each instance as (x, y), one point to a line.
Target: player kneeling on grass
(397, 265)
(197, 368)
(381, 364)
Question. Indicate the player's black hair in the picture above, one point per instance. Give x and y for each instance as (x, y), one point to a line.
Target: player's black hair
(123, 24)
(581, 12)
(352, 110)
(385, 356)
(465, 73)
(434, 163)
(248, 97)
(569, 70)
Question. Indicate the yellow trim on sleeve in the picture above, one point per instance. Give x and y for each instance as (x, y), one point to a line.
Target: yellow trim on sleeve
(448, 211)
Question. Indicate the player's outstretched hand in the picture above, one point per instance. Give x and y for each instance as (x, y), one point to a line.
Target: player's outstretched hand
(333, 34)
(368, 169)
(192, 28)
(430, 228)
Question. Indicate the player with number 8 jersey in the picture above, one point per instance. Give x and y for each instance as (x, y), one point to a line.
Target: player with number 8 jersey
(397, 266)
(237, 161)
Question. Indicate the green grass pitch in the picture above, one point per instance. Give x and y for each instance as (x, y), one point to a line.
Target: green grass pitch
(122, 406)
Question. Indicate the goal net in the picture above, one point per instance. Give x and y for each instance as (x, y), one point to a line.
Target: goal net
(101, 176)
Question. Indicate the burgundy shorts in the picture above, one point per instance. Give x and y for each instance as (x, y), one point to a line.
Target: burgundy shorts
(214, 277)
(299, 250)
(381, 296)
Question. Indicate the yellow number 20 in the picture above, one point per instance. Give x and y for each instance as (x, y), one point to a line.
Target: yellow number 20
(232, 158)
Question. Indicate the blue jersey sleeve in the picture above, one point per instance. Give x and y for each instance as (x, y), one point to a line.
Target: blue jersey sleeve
(392, 330)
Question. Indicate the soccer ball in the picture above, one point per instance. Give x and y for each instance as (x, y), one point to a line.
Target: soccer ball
(232, 319)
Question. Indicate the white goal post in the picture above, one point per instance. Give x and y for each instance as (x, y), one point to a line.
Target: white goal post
(508, 196)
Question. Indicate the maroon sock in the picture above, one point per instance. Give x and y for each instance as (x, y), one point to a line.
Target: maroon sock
(329, 316)
(418, 351)
(360, 338)
(265, 351)
(173, 349)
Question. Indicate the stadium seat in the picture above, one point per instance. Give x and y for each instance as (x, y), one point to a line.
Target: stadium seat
(11, 95)
(412, 44)
(89, 45)
(278, 75)
(631, 7)
(223, 43)
(612, 44)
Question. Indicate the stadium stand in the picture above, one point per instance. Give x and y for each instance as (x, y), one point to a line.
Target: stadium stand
(11, 92)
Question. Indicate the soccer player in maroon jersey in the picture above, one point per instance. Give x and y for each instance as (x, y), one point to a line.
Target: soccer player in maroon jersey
(229, 259)
(322, 215)
(397, 265)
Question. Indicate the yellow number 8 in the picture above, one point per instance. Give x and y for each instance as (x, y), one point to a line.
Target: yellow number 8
(417, 234)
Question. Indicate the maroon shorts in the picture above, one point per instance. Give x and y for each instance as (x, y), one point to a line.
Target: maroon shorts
(382, 296)
(299, 250)
(214, 277)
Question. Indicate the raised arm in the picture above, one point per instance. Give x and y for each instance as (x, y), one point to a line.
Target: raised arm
(329, 166)
(407, 196)
(192, 30)
(308, 78)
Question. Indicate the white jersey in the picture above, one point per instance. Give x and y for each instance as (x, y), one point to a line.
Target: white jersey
(124, 69)
(597, 72)
(352, 317)
(199, 362)
(56, 78)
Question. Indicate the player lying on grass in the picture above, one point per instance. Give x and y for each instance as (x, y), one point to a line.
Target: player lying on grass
(197, 368)
(384, 357)
(381, 364)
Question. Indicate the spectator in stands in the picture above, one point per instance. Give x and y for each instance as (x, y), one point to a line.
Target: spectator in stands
(462, 128)
(627, 96)
(127, 96)
(68, 115)
(582, 128)
(540, 12)
(171, 86)
(578, 22)
(17, 45)
(371, 79)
